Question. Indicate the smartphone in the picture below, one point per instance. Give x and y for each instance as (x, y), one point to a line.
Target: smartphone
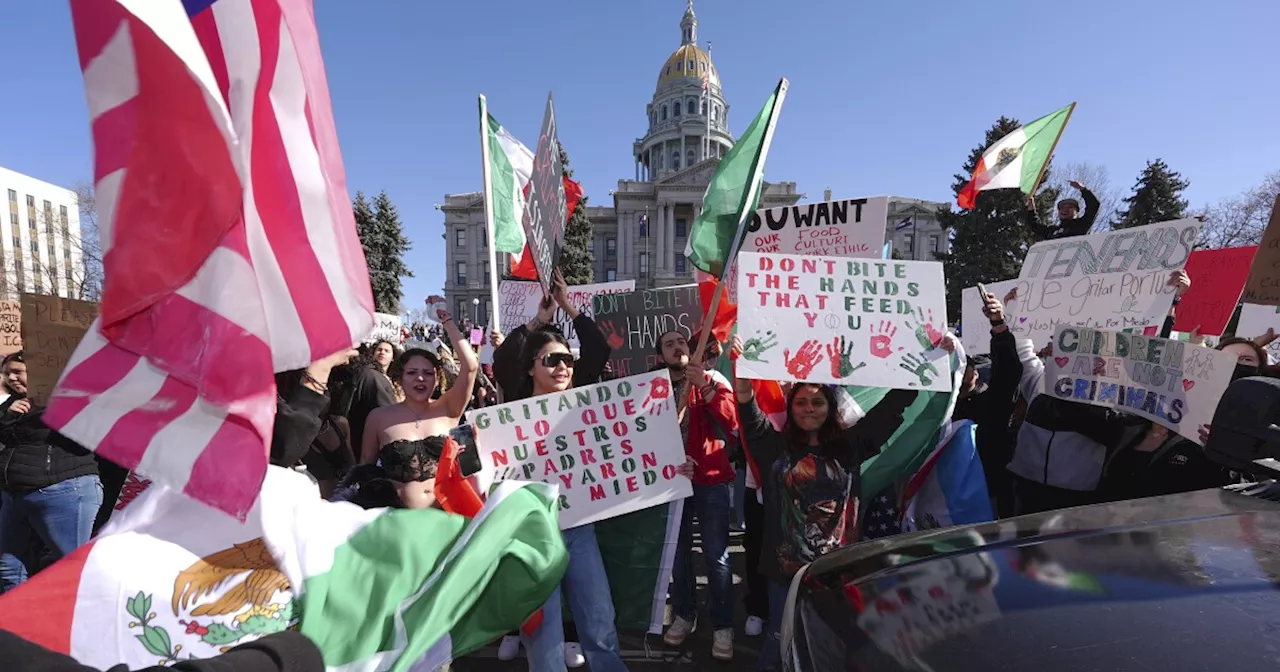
(982, 292)
(469, 456)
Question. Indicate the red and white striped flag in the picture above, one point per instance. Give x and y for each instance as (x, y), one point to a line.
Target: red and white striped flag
(230, 242)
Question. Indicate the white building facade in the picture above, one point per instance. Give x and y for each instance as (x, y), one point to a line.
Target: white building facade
(41, 250)
(642, 236)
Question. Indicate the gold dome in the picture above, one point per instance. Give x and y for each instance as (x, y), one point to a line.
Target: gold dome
(689, 61)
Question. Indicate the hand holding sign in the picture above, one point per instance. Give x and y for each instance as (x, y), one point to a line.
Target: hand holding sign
(438, 308)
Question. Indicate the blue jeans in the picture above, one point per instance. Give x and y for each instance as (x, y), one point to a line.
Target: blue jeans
(771, 652)
(60, 515)
(711, 504)
(591, 604)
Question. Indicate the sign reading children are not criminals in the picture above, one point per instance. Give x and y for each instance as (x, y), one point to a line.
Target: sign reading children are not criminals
(842, 321)
(612, 448)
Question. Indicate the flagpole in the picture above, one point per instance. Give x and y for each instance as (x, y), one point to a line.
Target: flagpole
(494, 323)
(706, 97)
(1052, 148)
(753, 191)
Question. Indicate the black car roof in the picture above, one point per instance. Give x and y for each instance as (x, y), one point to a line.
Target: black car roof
(1184, 582)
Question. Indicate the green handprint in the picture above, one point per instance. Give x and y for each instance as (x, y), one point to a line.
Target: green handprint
(755, 347)
(921, 367)
(840, 355)
(927, 334)
(1129, 305)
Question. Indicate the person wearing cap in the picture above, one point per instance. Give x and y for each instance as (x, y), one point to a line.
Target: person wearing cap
(1070, 221)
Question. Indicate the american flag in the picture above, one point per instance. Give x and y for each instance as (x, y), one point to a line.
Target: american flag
(880, 517)
(230, 245)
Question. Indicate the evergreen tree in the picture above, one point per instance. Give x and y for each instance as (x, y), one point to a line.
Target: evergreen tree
(575, 258)
(1157, 197)
(382, 237)
(990, 241)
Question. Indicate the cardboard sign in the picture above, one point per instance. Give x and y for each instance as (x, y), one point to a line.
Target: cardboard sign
(975, 328)
(1263, 286)
(1217, 279)
(10, 327)
(842, 321)
(633, 323)
(519, 301)
(386, 327)
(51, 329)
(477, 337)
(1166, 381)
(545, 211)
(613, 448)
(848, 228)
(1116, 280)
(1255, 320)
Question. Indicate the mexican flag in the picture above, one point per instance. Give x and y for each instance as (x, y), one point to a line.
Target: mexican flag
(733, 193)
(170, 579)
(1016, 160)
(508, 168)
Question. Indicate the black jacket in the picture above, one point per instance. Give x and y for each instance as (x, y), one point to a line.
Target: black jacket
(992, 408)
(513, 378)
(369, 390)
(280, 652)
(1077, 226)
(34, 456)
(298, 420)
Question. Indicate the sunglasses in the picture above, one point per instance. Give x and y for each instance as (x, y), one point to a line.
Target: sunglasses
(555, 359)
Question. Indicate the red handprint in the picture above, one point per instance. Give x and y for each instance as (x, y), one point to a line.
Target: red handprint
(611, 334)
(806, 358)
(935, 336)
(882, 338)
(659, 392)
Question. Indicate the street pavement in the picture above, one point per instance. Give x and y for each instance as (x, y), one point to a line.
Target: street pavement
(643, 652)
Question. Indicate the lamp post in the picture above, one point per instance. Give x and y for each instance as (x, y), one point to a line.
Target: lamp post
(476, 302)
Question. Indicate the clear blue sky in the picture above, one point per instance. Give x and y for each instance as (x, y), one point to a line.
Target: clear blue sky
(886, 97)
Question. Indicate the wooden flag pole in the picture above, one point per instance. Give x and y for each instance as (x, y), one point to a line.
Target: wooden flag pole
(494, 322)
(1052, 148)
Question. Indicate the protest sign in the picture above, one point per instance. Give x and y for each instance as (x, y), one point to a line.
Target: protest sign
(1255, 320)
(975, 328)
(848, 228)
(842, 321)
(1263, 286)
(477, 337)
(519, 301)
(1116, 280)
(1217, 279)
(545, 206)
(386, 327)
(633, 322)
(613, 447)
(1175, 384)
(51, 329)
(10, 327)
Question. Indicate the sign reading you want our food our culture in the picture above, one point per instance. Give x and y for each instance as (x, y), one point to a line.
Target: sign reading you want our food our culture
(51, 329)
(1116, 280)
(843, 321)
(1170, 382)
(633, 322)
(613, 448)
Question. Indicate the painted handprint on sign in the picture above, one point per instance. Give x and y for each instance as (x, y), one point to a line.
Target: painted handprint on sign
(757, 345)
(806, 358)
(928, 335)
(1129, 304)
(611, 334)
(659, 393)
(840, 355)
(882, 339)
(921, 367)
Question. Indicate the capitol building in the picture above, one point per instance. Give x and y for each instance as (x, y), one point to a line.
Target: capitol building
(642, 236)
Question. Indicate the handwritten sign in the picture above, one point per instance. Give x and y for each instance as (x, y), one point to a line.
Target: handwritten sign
(386, 327)
(613, 448)
(1263, 286)
(10, 327)
(975, 331)
(633, 323)
(519, 301)
(842, 321)
(1255, 320)
(1217, 279)
(546, 207)
(1166, 381)
(51, 329)
(848, 228)
(1116, 280)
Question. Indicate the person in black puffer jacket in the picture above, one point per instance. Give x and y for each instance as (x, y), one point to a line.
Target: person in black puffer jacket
(49, 487)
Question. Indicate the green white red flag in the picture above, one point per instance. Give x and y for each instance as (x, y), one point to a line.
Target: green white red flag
(1017, 160)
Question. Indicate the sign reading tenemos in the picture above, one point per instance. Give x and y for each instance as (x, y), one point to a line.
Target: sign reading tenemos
(1170, 382)
(842, 321)
(1116, 280)
(613, 447)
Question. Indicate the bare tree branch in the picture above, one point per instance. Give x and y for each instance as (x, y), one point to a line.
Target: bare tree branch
(80, 274)
(1240, 220)
(1094, 176)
